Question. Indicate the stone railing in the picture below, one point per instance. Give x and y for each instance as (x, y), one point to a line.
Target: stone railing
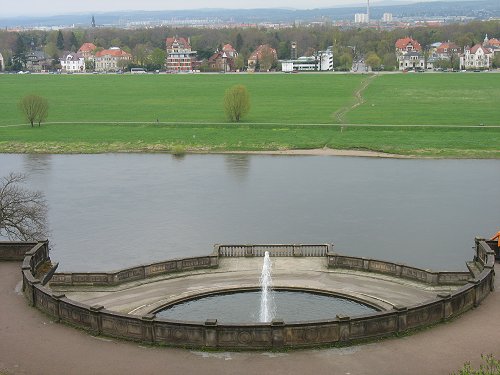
(14, 250)
(277, 334)
(398, 270)
(134, 273)
(320, 250)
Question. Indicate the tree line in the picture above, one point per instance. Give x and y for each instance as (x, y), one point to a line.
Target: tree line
(148, 45)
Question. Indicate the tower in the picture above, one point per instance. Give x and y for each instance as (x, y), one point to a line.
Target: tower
(93, 21)
(293, 52)
(368, 12)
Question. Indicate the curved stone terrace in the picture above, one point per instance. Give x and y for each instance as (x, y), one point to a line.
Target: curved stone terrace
(120, 304)
(142, 297)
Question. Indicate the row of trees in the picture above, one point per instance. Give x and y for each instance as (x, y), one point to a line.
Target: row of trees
(148, 45)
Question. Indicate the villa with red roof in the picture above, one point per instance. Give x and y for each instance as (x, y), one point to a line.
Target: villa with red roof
(264, 55)
(476, 57)
(87, 50)
(409, 54)
(407, 45)
(180, 57)
(111, 60)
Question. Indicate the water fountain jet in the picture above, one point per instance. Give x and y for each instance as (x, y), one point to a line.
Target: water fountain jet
(267, 308)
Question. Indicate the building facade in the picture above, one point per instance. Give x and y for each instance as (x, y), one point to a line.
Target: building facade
(2, 63)
(409, 54)
(111, 60)
(87, 50)
(73, 63)
(476, 57)
(320, 61)
(180, 57)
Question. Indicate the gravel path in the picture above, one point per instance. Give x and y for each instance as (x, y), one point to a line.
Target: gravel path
(30, 343)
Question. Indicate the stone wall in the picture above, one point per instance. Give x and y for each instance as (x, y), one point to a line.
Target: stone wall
(397, 270)
(14, 250)
(134, 273)
(278, 334)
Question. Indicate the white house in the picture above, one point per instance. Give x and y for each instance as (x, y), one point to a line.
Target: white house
(2, 63)
(321, 61)
(73, 63)
(477, 57)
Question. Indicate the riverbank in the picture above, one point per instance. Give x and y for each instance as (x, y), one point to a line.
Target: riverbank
(342, 140)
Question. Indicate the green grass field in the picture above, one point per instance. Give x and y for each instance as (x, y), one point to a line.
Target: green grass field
(288, 112)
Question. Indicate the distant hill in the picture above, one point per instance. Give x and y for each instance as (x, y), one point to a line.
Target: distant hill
(482, 9)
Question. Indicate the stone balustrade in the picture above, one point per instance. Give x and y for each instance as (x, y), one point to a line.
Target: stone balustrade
(276, 250)
(277, 334)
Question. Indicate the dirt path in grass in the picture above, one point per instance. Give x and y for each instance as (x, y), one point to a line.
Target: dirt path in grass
(358, 95)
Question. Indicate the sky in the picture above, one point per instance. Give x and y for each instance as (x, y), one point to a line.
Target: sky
(58, 7)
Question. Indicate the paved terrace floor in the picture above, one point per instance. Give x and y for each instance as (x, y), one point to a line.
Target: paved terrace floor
(141, 298)
(30, 343)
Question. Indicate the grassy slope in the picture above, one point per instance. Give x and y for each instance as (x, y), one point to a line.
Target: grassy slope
(288, 99)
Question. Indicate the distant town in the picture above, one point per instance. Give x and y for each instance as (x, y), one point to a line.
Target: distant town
(370, 41)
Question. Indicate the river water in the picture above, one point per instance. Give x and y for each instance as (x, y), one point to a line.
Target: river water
(110, 211)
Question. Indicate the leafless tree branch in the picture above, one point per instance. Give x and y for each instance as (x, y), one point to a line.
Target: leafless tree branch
(23, 213)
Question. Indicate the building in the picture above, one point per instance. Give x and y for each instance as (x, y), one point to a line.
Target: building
(477, 57)
(2, 63)
(361, 18)
(111, 60)
(320, 61)
(180, 57)
(409, 54)
(387, 17)
(221, 62)
(492, 44)
(73, 63)
(230, 51)
(87, 50)
(407, 45)
(411, 61)
(262, 59)
(37, 61)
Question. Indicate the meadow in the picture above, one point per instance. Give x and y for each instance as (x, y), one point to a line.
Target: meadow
(147, 113)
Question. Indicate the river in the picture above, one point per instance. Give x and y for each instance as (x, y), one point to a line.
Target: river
(110, 211)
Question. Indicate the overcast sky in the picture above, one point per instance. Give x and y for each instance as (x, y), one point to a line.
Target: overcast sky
(57, 7)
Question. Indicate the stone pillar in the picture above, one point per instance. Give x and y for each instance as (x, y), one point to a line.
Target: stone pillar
(278, 333)
(211, 333)
(33, 291)
(57, 298)
(148, 328)
(95, 319)
(344, 328)
(447, 309)
(402, 316)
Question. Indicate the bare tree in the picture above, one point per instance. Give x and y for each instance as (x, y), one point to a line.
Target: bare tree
(35, 108)
(236, 102)
(23, 213)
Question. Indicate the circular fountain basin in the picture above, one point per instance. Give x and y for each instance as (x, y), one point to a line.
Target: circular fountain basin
(244, 306)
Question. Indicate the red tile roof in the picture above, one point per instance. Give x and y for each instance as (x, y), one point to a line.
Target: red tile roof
(479, 46)
(447, 47)
(403, 43)
(262, 49)
(228, 48)
(116, 52)
(87, 47)
(494, 42)
(183, 42)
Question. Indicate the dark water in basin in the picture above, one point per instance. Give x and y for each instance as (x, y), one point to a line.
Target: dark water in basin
(243, 307)
(111, 211)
